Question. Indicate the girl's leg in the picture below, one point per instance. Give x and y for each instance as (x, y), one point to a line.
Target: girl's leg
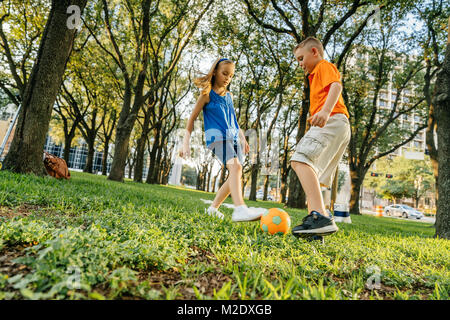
(234, 180)
(222, 194)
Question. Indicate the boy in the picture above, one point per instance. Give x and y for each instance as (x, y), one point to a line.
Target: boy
(321, 148)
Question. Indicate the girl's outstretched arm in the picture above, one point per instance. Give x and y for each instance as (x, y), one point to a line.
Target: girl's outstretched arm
(244, 141)
(186, 149)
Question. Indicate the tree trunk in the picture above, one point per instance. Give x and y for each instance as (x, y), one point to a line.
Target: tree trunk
(67, 145)
(284, 170)
(442, 109)
(431, 129)
(198, 184)
(130, 168)
(140, 154)
(157, 169)
(90, 156)
(334, 189)
(151, 168)
(215, 180)
(164, 177)
(166, 172)
(356, 182)
(223, 176)
(69, 135)
(130, 172)
(283, 189)
(202, 178)
(140, 149)
(105, 157)
(244, 181)
(123, 133)
(162, 168)
(297, 197)
(284, 173)
(25, 153)
(254, 180)
(208, 178)
(205, 174)
(266, 187)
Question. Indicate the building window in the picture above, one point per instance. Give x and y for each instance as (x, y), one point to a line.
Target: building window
(5, 116)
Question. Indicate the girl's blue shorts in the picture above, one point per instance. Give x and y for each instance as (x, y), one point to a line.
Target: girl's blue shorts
(226, 150)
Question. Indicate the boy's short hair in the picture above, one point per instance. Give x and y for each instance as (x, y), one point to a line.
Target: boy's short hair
(311, 42)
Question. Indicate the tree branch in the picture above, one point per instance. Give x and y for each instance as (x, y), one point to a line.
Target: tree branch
(356, 4)
(251, 11)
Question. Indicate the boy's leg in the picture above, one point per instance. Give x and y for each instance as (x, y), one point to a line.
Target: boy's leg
(311, 186)
(318, 221)
(312, 158)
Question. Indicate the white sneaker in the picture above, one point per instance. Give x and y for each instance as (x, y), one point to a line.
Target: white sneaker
(213, 212)
(259, 210)
(243, 213)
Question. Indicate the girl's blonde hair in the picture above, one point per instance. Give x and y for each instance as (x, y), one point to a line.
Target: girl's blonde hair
(207, 81)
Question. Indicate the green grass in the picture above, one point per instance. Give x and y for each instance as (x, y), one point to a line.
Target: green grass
(89, 238)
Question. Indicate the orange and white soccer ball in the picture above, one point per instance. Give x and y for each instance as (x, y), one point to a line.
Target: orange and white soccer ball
(275, 221)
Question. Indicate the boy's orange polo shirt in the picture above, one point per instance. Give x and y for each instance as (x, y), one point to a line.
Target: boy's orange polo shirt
(320, 79)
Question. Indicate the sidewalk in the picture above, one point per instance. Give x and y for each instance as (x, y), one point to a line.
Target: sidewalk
(424, 219)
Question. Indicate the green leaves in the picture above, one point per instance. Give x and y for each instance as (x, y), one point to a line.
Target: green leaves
(411, 178)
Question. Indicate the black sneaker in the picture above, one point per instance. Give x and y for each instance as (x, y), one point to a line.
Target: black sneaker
(315, 224)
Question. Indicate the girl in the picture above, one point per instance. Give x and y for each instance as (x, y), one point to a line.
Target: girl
(222, 133)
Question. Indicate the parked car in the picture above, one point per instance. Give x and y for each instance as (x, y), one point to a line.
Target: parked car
(259, 195)
(402, 210)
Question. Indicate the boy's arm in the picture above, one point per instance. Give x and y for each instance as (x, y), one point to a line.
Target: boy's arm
(333, 96)
(321, 117)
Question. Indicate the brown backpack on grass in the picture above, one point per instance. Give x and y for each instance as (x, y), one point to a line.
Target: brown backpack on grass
(56, 167)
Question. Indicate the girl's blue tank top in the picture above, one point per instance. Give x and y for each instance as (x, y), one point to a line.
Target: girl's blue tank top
(220, 119)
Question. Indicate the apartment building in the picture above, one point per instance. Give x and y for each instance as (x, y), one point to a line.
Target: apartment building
(7, 114)
(415, 149)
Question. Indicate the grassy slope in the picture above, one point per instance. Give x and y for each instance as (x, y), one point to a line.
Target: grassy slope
(93, 238)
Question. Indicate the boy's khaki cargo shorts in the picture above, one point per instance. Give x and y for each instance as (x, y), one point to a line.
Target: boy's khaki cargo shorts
(323, 148)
